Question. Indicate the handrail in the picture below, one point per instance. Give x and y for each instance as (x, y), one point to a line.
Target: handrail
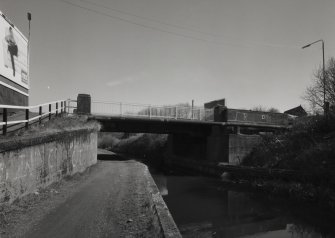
(59, 108)
(144, 105)
(30, 107)
(152, 111)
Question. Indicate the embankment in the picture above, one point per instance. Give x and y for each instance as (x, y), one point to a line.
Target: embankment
(29, 163)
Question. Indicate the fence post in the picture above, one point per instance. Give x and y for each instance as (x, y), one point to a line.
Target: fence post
(49, 112)
(56, 108)
(149, 111)
(27, 119)
(176, 113)
(40, 113)
(121, 108)
(61, 107)
(65, 106)
(192, 112)
(4, 127)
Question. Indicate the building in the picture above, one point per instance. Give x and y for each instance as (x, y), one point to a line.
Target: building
(297, 111)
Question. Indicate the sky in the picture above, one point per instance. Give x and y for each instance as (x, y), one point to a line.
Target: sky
(167, 52)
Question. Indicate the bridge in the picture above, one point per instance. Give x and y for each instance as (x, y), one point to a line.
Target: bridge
(217, 134)
(146, 118)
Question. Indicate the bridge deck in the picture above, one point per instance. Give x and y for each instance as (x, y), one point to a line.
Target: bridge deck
(164, 125)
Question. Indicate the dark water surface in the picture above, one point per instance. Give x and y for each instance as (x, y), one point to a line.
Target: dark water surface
(204, 207)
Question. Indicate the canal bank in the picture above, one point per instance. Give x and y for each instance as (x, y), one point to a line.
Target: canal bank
(313, 188)
(205, 207)
(110, 199)
(209, 207)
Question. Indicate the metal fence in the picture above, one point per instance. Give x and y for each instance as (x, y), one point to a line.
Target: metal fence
(151, 111)
(14, 116)
(17, 117)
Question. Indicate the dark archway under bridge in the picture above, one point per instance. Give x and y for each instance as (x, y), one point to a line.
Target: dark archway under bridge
(212, 141)
(216, 134)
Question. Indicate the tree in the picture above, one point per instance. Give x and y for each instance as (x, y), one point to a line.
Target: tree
(314, 93)
(260, 108)
(273, 110)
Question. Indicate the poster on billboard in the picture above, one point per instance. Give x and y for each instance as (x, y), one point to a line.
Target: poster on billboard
(13, 56)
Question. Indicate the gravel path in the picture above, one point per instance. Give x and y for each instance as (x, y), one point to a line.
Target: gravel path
(108, 200)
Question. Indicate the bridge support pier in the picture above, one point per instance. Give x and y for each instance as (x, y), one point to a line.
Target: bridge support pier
(221, 146)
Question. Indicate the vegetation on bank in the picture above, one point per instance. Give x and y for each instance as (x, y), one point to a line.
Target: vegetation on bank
(308, 146)
(142, 144)
(55, 125)
(308, 149)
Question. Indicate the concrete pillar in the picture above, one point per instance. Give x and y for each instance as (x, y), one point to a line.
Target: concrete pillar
(238, 130)
(217, 145)
(84, 104)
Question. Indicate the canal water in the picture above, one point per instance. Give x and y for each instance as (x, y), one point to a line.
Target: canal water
(204, 207)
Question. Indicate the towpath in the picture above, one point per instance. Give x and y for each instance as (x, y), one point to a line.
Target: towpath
(109, 200)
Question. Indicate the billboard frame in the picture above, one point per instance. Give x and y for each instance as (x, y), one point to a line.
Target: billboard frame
(14, 90)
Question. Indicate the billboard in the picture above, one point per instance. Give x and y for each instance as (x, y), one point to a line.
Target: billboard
(13, 59)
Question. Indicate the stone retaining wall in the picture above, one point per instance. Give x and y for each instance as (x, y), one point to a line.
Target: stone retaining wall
(31, 163)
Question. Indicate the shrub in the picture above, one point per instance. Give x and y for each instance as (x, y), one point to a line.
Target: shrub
(309, 145)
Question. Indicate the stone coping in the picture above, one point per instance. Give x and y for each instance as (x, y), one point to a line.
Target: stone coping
(168, 227)
(16, 143)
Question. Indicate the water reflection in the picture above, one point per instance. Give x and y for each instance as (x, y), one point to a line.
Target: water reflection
(202, 207)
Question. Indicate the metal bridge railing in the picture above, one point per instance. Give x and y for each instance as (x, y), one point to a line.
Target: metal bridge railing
(151, 111)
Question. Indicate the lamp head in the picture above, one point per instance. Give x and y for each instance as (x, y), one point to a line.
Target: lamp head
(306, 46)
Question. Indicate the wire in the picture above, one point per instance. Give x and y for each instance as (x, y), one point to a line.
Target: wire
(153, 20)
(184, 27)
(168, 31)
(146, 26)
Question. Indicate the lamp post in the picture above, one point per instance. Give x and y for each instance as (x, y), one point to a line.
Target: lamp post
(28, 53)
(323, 71)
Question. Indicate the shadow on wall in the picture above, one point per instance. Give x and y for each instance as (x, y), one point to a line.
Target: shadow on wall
(44, 160)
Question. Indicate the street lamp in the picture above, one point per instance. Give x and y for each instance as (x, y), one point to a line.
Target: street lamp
(323, 71)
(28, 53)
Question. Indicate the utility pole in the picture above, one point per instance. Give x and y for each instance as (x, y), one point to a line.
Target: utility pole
(192, 108)
(28, 53)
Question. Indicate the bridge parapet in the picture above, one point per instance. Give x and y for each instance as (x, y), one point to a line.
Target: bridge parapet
(151, 111)
(134, 110)
(235, 118)
(239, 116)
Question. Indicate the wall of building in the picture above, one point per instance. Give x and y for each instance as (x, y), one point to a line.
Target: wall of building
(37, 162)
(8, 96)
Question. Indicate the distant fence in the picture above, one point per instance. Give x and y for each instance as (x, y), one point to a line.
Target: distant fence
(146, 111)
(14, 116)
(151, 111)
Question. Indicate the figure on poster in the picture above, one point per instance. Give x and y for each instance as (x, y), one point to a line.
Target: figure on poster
(12, 47)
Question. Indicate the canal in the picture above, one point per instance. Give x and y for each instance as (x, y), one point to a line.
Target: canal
(205, 207)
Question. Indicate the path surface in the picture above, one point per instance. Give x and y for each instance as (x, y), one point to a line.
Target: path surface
(111, 200)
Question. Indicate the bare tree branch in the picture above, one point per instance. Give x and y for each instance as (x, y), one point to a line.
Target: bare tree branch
(314, 93)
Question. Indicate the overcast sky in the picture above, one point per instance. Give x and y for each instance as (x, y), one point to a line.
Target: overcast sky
(172, 51)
